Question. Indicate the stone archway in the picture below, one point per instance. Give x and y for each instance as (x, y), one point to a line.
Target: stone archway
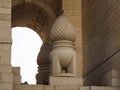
(38, 16)
(51, 9)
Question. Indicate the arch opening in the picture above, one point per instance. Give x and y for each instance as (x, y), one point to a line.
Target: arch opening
(38, 16)
(25, 48)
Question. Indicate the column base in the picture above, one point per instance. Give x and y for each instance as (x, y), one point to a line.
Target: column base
(65, 81)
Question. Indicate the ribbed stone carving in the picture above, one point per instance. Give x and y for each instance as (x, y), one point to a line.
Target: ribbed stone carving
(62, 30)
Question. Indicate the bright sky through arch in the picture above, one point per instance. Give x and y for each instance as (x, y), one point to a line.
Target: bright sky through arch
(25, 48)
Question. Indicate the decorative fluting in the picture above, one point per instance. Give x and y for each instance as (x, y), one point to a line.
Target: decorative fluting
(62, 30)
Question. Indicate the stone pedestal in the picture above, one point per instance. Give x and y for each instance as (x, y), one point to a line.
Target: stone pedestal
(66, 81)
(63, 59)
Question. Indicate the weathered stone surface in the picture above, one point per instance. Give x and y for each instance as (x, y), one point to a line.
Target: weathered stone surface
(16, 70)
(50, 87)
(17, 79)
(115, 73)
(115, 81)
(6, 77)
(65, 87)
(98, 88)
(85, 88)
(6, 86)
(66, 81)
(112, 88)
(5, 69)
(28, 87)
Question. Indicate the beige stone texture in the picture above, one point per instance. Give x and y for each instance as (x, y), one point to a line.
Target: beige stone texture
(6, 86)
(66, 81)
(6, 77)
(5, 41)
(46, 87)
(5, 3)
(85, 88)
(112, 88)
(115, 81)
(72, 9)
(28, 87)
(66, 87)
(5, 69)
(17, 79)
(16, 70)
(63, 87)
(115, 73)
(16, 75)
(98, 88)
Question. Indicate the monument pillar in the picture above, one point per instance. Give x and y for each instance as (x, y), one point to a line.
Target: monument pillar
(63, 55)
(6, 76)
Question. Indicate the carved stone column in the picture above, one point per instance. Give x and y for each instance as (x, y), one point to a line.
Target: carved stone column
(63, 54)
(43, 64)
(43, 74)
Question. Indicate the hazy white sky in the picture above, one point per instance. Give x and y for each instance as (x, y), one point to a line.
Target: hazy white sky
(25, 48)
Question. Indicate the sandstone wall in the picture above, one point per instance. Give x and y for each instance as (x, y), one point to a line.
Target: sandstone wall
(6, 76)
(72, 9)
(101, 39)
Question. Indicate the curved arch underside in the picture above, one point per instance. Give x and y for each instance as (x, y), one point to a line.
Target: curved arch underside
(37, 15)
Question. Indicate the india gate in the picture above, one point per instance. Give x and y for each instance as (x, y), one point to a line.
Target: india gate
(81, 43)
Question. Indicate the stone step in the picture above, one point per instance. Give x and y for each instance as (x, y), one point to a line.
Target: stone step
(66, 81)
(63, 87)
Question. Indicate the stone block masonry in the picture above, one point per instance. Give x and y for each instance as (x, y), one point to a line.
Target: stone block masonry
(62, 87)
(101, 39)
(73, 10)
(6, 76)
